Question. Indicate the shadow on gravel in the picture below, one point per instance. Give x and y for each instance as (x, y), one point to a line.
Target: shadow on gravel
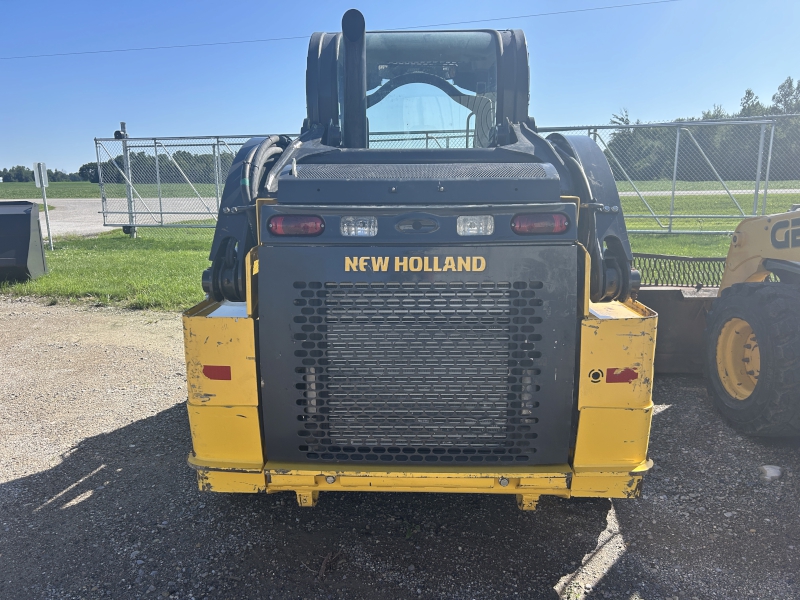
(120, 517)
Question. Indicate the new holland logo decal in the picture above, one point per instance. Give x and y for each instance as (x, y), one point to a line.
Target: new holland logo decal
(414, 263)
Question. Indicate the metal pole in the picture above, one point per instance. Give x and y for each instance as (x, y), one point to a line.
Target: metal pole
(158, 182)
(769, 162)
(44, 200)
(758, 168)
(215, 150)
(126, 159)
(103, 202)
(674, 176)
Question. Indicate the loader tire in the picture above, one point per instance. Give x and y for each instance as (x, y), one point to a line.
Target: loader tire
(753, 358)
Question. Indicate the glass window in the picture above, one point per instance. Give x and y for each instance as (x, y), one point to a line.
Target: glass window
(431, 89)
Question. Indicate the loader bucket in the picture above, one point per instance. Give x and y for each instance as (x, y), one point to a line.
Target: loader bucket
(681, 290)
(21, 246)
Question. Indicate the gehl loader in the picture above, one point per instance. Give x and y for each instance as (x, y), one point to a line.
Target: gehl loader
(459, 317)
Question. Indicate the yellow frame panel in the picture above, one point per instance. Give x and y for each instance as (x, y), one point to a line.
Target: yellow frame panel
(223, 341)
(226, 434)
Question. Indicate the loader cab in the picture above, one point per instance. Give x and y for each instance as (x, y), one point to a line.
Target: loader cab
(424, 90)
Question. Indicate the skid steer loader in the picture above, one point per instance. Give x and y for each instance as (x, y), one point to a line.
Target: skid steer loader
(420, 293)
(738, 320)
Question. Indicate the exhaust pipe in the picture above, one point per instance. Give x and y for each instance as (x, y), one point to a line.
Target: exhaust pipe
(354, 134)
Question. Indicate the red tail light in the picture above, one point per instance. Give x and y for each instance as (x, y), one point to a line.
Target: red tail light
(539, 223)
(295, 225)
(217, 372)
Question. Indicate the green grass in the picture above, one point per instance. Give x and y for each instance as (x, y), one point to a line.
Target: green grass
(681, 245)
(700, 205)
(58, 189)
(665, 185)
(84, 189)
(159, 270)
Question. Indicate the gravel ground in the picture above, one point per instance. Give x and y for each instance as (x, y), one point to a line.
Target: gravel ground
(96, 499)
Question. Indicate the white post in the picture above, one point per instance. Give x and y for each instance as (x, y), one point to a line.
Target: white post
(40, 176)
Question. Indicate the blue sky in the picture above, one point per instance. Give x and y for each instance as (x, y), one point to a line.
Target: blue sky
(659, 61)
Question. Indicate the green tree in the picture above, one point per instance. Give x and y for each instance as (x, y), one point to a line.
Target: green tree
(88, 172)
(787, 98)
(751, 106)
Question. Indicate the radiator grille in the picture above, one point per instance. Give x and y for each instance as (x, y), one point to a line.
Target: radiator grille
(417, 371)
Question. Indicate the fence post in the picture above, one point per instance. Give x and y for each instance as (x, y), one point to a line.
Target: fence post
(769, 162)
(758, 168)
(126, 158)
(215, 151)
(103, 201)
(158, 182)
(674, 176)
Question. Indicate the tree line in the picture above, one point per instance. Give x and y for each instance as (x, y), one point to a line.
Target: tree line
(23, 174)
(649, 153)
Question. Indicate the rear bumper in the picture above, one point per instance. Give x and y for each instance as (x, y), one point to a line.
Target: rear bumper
(527, 483)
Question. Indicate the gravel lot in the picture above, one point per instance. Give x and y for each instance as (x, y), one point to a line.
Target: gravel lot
(96, 499)
(72, 216)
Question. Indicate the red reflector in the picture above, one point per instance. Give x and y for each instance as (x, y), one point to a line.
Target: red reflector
(217, 372)
(295, 225)
(625, 375)
(533, 223)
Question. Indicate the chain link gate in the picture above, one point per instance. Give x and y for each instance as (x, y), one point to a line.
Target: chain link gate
(163, 182)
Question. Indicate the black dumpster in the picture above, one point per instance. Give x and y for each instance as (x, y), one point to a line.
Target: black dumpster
(21, 245)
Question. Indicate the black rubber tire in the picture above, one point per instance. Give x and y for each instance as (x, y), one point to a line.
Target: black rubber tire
(773, 312)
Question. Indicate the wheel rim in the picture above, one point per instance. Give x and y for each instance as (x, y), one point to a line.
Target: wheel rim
(738, 359)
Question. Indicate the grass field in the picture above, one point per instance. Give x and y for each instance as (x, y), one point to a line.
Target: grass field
(665, 185)
(161, 269)
(158, 270)
(681, 245)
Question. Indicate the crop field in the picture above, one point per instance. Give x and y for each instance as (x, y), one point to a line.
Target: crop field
(58, 189)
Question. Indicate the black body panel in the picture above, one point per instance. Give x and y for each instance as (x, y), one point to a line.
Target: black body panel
(386, 365)
(464, 183)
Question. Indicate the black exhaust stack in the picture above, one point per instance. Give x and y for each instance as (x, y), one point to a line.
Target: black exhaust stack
(354, 134)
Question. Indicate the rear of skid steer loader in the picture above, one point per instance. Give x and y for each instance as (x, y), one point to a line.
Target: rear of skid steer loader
(452, 316)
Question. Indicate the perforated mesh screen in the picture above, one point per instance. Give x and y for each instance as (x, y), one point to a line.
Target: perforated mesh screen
(417, 371)
(405, 172)
(678, 271)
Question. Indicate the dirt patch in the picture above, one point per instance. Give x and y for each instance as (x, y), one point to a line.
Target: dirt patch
(96, 499)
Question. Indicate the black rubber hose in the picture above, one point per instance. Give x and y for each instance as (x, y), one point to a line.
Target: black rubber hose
(264, 153)
(257, 161)
(244, 182)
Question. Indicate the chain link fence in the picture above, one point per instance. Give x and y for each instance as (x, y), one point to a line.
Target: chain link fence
(677, 177)
(428, 140)
(700, 176)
